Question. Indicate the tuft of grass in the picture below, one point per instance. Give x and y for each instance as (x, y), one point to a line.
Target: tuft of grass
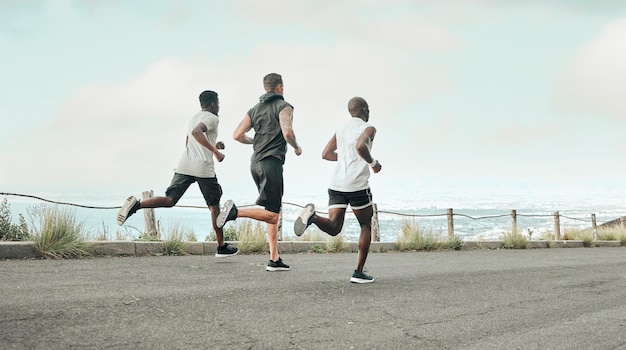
(146, 237)
(581, 235)
(231, 233)
(336, 245)
(103, 233)
(415, 238)
(252, 237)
(57, 234)
(313, 235)
(175, 243)
(514, 241)
(316, 248)
(612, 234)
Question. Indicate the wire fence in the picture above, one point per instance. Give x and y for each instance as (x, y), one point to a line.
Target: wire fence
(449, 215)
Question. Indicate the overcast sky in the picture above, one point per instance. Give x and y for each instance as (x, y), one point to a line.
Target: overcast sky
(465, 95)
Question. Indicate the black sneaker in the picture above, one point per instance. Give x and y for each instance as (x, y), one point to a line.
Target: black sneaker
(228, 213)
(130, 207)
(304, 220)
(277, 265)
(225, 251)
(360, 277)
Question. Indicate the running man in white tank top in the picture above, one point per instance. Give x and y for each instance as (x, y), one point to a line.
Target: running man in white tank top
(350, 147)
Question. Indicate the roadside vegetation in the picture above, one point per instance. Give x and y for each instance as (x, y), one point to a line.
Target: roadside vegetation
(415, 238)
(514, 240)
(8, 230)
(57, 233)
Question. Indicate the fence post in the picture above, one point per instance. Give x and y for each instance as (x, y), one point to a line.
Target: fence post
(450, 223)
(514, 217)
(375, 230)
(557, 226)
(622, 221)
(280, 225)
(148, 216)
(594, 227)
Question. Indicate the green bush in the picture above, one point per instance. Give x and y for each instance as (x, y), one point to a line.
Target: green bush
(8, 230)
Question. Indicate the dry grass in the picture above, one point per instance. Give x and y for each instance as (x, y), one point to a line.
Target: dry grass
(415, 238)
(252, 237)
(57, 234)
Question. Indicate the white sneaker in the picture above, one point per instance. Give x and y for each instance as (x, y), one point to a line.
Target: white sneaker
(302, 222)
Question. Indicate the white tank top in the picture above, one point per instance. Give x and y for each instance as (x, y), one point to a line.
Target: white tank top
(351, 171)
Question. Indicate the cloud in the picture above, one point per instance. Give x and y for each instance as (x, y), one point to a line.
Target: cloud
(595, 80)
(131, 134)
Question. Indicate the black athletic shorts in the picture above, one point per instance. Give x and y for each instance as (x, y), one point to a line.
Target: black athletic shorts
(210, 188)
(357, 200)
(268, 177)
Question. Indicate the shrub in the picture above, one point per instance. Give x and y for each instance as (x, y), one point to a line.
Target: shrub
(615, 233)
(231, 233)
(175, 244)
(57, 234)
(514, 241)
(252, 238)
(316, 248)
(336, 245)
(414, 238)
(8, 230)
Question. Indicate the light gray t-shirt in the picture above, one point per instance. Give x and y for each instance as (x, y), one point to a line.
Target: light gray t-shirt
(197, 160)
(351, 171)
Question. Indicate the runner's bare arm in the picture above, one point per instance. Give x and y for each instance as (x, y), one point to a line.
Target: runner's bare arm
(363, 150)
(285, 117)
(198, 133)
(330, 151)
(240, 133)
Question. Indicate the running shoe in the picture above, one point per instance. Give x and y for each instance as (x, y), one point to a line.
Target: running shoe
(226, 251)
(228, 213)
(276, 265)
(130, 207)
(360, 277)
(304, 220)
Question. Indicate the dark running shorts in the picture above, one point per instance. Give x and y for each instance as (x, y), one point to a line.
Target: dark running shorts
(268, 177)
(357, 200)
(210, 188)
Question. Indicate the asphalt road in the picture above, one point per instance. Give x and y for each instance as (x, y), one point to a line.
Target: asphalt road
(484, 299)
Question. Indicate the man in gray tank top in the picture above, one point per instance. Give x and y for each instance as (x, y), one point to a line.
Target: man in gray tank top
(271, 120)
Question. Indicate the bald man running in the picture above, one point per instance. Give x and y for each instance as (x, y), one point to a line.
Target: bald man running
(350, 147)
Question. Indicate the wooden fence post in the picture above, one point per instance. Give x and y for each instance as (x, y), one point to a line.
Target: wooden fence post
(375, 230)
(594, 227)
(514, 218)
(557, 226)
(450, 223)
(622, 221)
(148, 216)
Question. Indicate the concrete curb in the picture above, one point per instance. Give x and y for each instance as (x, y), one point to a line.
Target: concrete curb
(26, 250)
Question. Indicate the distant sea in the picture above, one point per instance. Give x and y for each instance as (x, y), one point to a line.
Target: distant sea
(478, 215)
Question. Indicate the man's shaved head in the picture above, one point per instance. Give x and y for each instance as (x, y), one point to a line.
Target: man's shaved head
(357, 106)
